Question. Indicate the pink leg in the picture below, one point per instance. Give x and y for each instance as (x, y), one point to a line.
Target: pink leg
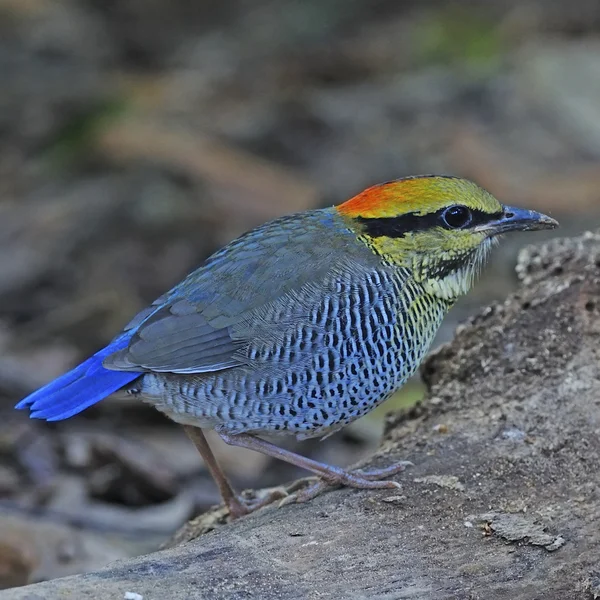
(330, 475)
(237, 506)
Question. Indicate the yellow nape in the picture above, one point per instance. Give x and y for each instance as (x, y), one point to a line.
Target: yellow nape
(420, 194)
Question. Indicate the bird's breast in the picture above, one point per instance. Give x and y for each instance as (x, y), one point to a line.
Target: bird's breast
(314, 361)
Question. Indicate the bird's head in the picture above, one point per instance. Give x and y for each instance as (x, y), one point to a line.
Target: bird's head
(441, 228)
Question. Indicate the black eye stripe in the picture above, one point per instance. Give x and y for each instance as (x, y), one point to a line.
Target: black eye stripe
(396, 227)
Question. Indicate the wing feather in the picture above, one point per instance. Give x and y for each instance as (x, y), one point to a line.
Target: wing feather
(203, 324)
(176, 343)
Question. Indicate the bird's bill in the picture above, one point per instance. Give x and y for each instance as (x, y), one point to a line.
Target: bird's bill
(519, 219)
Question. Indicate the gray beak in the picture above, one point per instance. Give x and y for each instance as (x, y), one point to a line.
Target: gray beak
(520, 219)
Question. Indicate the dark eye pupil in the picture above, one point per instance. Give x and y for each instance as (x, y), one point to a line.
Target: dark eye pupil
(457, 216)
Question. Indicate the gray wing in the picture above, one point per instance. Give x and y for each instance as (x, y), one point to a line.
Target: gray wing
(203, 324)
(174, 337)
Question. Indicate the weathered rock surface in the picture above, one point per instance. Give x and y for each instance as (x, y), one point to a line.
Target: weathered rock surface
(502, 501)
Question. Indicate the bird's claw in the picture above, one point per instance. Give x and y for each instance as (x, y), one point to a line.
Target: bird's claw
(299, 492)
(378, 474)
(250, 501)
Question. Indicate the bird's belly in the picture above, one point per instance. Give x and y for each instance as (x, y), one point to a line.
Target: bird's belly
(237, 404)
(304, 393)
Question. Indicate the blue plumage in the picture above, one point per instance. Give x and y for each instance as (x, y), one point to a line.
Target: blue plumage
(81, 387)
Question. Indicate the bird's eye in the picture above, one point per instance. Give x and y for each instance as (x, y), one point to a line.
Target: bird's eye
(457, 217)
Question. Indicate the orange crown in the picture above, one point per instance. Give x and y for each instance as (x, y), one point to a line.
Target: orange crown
(423, 193)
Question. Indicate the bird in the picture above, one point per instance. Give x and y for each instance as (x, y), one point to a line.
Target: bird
(301, 325)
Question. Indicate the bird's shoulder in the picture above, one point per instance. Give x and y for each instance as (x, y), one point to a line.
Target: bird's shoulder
(273, 259)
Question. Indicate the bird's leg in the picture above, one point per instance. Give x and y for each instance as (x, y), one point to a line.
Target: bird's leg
(330, 476)
(197, 436)
(237, 505)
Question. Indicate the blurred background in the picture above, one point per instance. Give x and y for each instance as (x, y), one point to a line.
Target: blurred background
(138, 136)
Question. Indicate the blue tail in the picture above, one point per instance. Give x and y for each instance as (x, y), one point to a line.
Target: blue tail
(78, 389)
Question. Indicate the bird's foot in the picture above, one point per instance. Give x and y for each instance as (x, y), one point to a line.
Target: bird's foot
(329, 476)
(308, 488)
(250, 501)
